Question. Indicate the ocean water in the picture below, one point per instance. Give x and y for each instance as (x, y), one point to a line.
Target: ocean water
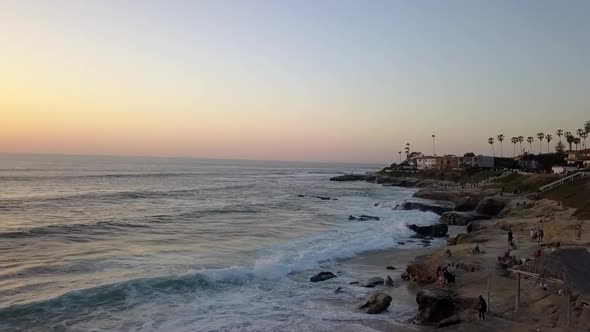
(148, 244)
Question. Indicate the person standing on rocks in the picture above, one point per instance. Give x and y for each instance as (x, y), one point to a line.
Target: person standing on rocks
(510, 236)
(483, 307)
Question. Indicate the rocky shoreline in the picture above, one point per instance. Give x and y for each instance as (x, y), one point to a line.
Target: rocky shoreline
(483, 215)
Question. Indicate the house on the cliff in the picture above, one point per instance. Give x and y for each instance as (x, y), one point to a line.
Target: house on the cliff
(580, 158)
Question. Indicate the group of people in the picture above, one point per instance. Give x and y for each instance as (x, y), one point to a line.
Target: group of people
(537, 234)
(446, 275)
(507, 261)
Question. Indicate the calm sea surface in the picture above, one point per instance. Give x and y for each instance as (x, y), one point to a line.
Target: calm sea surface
(148, 244)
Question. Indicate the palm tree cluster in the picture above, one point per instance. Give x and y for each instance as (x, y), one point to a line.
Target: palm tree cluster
(578, 139)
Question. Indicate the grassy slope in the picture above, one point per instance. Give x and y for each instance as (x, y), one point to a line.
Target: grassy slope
(575, 194)
(524, 183)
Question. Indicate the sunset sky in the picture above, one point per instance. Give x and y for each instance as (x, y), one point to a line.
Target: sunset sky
(288, 80)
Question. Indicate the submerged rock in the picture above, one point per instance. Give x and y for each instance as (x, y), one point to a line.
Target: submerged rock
(363, 218)
(436, 230)
(377, 303)
(390, 268)
(373, 282)
(322, 276)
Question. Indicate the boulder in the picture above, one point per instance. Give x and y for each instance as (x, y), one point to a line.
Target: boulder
(390, 268)
(474, 226)
(454, 218)
(405, 276)
(373, 282)
(363, 218)
(377, 303)
(434, 306)
(388, 281)
(492, 205)
(436, 230)
(438, 207)
(469, 204)
(322, 276)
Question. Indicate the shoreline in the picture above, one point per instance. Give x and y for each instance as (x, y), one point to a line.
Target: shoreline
(539, 308)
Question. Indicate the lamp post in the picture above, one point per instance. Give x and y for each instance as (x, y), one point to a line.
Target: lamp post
(434, 145)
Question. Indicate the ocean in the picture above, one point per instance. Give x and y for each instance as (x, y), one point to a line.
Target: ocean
(160, 244)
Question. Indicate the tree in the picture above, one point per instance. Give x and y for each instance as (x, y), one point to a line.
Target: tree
(520, 140)
(530, 140)
(501, 139)
(577, 142)
(400, 157)
(491, 142)
(559, 148)
(407, 150)
(580, 133)
(569, 138)
(548, 138)
(540, 136)
(514, 140)
(584, 136)
(559, 133)
(587, 127)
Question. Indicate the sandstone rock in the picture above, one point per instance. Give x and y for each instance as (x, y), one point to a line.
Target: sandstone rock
(455, 218)
(322, 276)
(434, 306)
(388, 281)
(474, 226)
(492, 205)
(469, 204)
(405, 276)
(436, 230)
(373, 282)
(438, 207)
(377, 303)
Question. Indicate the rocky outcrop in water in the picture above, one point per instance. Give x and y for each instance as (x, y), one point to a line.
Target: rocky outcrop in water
(455, 218)
(436, 230)
(438, 207)
(354, 177)
(322, 276)
(377, 303)
(388, 281)
(373, 282)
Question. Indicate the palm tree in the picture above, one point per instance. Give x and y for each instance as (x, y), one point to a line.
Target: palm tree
(407, 150)
(501, 139)
(491, 142)
(559, 133)
(587, 127)
(584, 137)
(520, 140)
(569, 138)
(549, 137)
(514, 140)
(400, 157)
(540, 136)
(576, 142)
(580, 133)
(530, 140)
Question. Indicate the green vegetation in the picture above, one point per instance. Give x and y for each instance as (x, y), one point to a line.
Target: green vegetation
(575, 194)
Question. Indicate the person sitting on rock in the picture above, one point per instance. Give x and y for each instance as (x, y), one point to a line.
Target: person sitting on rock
(538, 253)
(483, 307)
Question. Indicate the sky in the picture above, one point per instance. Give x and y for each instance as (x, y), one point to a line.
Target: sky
(288, 80)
